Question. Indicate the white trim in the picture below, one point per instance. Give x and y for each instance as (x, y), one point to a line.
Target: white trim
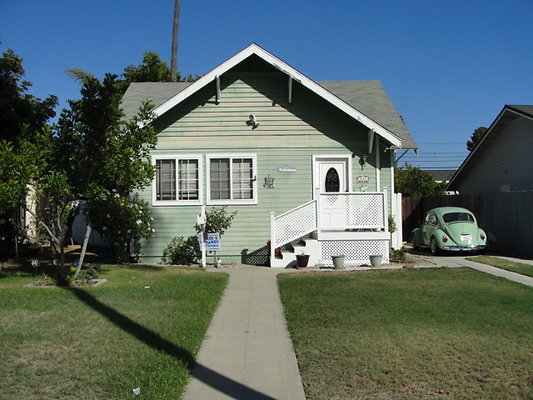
(291, 72)
(370, 140)
(177, 202)
(290, 89)
(217, 81)
(316, 158)
(378, 167)
(230, 156)
(392, 171)
(491, 128)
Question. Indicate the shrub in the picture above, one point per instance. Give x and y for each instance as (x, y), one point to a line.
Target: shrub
(398, 255)
(181, 251)
(218, 220)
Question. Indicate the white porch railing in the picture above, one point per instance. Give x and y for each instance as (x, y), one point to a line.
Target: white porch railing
(354, 224)
(343, 211)
(293, 224)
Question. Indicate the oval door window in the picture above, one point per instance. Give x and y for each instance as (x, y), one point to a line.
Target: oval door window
(332, 181)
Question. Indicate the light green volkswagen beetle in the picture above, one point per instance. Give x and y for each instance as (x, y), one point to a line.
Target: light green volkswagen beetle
(450, 229)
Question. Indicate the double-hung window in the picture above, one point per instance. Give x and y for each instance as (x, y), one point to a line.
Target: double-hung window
(231, 179)
(178, 180)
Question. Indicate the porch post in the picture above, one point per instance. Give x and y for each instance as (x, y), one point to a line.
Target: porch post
(317, 206)
(378, 166)
(386, 209)
(272, 238)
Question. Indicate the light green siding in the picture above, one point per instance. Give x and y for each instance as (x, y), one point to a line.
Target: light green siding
(287, 135)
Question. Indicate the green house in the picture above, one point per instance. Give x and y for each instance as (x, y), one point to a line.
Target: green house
(307, 165)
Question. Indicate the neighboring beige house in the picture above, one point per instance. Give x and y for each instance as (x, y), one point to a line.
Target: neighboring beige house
(502, 159)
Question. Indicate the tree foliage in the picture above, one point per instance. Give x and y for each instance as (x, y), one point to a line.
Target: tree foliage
(477, 135)
(107, 159)
(412, 181)
(152, 69)
(23, 119)
(20, 112)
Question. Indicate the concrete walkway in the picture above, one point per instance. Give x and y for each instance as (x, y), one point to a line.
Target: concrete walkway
(247, 352)
(458, 261)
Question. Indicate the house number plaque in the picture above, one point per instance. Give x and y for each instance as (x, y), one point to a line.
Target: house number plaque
(363, 179)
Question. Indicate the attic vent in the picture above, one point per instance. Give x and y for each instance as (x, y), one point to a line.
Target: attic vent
(253, 64)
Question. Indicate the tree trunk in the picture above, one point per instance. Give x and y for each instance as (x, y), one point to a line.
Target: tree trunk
(61, 268)
(83, 250)
(17, 247)
(174, 58)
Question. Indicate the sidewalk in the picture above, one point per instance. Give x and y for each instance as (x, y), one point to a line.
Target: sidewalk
(461, 262)
(247, 352)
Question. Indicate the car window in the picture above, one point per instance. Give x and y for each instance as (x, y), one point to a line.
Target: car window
(431, 219)
(458, 217)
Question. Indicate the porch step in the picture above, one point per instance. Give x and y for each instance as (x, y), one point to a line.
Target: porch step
(310, 246)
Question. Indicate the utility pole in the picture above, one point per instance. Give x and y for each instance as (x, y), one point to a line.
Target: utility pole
(174, 58)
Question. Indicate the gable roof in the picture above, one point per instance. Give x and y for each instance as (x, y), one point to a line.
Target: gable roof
(509, 112)
(370, 98)
(441, 175)
(365, 102)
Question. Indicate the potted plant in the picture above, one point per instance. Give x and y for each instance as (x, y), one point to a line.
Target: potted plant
(302, 260)
(338, 261)
(376, 260)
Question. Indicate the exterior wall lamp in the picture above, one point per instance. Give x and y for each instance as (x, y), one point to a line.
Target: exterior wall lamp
(362, 160)
(252, 121)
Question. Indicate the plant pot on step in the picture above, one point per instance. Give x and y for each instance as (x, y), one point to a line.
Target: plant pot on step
(338, 262)
(302, 260)
(376, 260)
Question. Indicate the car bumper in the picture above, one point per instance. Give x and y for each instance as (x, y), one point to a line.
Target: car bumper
(463, 248)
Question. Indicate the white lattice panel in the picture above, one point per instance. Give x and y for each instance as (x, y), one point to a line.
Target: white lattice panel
(356, 252)
(294, 224)
(352, 211)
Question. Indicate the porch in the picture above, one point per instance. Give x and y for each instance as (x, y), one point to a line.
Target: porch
(353, 224)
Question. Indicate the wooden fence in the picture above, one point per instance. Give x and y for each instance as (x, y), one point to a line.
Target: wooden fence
(506, 217)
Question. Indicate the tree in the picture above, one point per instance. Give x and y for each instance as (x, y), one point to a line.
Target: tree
(108, 160)
(20, 112)
(152, 69)
(477, 135)
(412, 181)
(23, 119)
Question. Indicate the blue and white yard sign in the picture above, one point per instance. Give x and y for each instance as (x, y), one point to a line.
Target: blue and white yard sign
(213, 242)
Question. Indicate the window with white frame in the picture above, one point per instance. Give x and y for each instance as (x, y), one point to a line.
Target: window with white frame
(231, 179)
(177, 179)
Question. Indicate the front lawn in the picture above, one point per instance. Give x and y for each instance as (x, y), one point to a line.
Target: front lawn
(140, 329)
(502, 263)
(411, 334)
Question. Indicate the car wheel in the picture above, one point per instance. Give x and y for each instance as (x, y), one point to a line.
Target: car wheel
(433, 247)
(413, 241)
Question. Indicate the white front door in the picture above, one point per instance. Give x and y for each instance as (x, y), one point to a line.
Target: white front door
(332, 176)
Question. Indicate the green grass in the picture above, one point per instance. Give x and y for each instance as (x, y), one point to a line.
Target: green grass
(512, 266)
(411, 334)
(100, 343)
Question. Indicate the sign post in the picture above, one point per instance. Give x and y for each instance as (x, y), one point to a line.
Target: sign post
(200, 221)
(213, 244)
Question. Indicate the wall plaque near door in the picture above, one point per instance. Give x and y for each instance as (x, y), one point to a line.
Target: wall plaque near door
(362, 179)
(269, 182)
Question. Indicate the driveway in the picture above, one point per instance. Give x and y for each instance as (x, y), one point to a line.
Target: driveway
(453, 261)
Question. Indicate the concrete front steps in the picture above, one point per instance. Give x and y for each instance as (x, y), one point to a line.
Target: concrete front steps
(309, 246)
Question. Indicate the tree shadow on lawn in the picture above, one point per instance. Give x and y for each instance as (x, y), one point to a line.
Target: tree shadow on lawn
(205, 374)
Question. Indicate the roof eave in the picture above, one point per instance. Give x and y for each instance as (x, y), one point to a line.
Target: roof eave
(290, 71)
(478, 146)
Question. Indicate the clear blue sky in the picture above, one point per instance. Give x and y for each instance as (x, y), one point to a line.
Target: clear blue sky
(448, 66)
